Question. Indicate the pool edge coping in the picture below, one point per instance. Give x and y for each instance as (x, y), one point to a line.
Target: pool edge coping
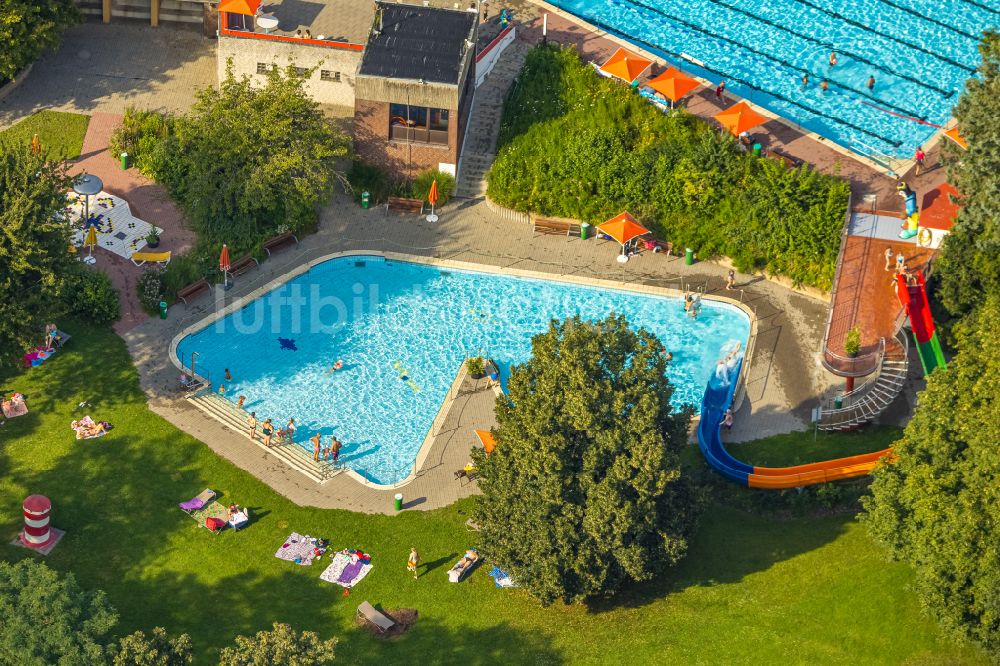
(430, 438)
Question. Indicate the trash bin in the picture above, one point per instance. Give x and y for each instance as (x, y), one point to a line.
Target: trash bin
(838, 402)
(163, 309)
(756, 150)
(398, 503)
(585, 231)
(365, 199)
(124, 157)
(688, 256)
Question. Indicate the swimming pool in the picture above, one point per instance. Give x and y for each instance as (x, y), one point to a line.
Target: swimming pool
(920, 54)
(403, 330)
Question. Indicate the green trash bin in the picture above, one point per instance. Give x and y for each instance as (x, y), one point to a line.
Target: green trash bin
(124, 157)
(365, 200)
(398, 501)
(585, 231)
(163, 309)
(688, 256)
(838, 402)
(756, 150)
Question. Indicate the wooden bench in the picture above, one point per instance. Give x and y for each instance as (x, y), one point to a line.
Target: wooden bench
(193, 290)
(242, 265)
(279, 242)
(404, 205)
(555, 227)
(785, 160)
(379, 620)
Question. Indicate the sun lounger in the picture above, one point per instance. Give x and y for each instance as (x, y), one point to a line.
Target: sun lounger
(139, 258)
(62, 338)
(198, 502)
(463, 566)
(368, 613)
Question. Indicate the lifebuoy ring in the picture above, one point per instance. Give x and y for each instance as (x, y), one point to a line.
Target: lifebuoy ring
(924, 237)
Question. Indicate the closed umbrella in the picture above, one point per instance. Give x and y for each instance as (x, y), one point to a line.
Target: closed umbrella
(36, 145)
(432, 197)
(90, 241)
(224, 266)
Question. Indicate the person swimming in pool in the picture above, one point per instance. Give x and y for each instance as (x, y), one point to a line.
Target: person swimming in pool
(339, 365)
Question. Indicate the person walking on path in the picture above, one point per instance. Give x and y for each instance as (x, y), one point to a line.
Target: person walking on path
(412, 562)
(315, 441)
(919, 156)
(731, 280)
(888, 259)
(253, 425)
(267, 429)
(720, 89)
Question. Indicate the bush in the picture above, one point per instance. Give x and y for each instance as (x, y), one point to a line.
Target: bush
(142, 135)
(365, 177)
(150, 289)
(574, 145)
(421, 186)
(94, 297)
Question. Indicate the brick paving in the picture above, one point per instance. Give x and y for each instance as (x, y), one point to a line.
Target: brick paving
(147, 200)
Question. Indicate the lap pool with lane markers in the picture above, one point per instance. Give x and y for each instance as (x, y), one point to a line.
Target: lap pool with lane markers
(402, 330)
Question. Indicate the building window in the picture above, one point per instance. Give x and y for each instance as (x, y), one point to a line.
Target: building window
(301, 71)
(327, 75)
(263, 68)
(418, 124)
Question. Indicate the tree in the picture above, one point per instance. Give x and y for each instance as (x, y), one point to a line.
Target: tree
(45, 618)
(937, 505)
(969, 264)
(248, 162)
(27, 27)
(282, 645)
(158, 650)
(36, 270)
(584, 491)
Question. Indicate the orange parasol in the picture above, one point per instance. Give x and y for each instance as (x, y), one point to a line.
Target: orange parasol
(486, 437)
(957, 138)
(432, 197)
(673, 84)
(626, 65)
(36, 145)
(224, 264)
(740, 118)
(245, 7)
(623, 228)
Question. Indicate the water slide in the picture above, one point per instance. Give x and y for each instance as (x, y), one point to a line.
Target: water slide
(718, 398)
(914, 298)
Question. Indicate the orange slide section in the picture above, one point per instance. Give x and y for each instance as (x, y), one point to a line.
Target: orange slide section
(820, 472)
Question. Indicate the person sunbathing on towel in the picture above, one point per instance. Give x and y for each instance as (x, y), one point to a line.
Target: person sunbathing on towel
(88, 429)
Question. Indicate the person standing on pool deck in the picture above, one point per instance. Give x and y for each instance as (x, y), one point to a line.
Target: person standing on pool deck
(900, 263)
(315, 440)
(731, 280)
(253, 425)
(888, 259)
(267, 430)
(721, 88)
(334, 449)
(870, 84)
(833, 58)
(919, 156)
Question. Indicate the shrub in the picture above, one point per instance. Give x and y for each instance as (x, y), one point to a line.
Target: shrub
(365, 177)
(150, 289)
(94, 297)
(421, 186)
(574, 145)
(475, 365)
(852, 341)
(142, 135)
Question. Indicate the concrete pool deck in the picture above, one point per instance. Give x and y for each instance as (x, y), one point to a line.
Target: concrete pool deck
(783, 384)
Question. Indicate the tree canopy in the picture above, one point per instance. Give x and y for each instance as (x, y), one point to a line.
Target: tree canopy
(45, 618)
(156, 650)
(282, 645)
(36, 269)
(969, 265)
(584, 491)
(937, 506)
(27, 27)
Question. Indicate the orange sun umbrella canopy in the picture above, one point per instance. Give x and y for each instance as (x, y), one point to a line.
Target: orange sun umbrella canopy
(245, 7)
(486, 437)
(432, 196)
(623, 228)
(626, 65)
(224, 259)
(740, 118)
(957, 138)
(673, 84)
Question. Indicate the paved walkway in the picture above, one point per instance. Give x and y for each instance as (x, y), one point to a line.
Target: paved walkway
(147, 200)
(782, 386)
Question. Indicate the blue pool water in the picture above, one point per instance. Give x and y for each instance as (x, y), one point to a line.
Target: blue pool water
(390, 320)
(919, 52)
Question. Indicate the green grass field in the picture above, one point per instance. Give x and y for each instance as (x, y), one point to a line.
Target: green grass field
(754, 588)
(60, 133)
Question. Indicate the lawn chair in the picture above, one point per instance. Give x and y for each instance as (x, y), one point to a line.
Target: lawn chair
(379, 620)
(200, 501)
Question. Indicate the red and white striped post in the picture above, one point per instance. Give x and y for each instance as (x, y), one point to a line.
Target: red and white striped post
(36, 532)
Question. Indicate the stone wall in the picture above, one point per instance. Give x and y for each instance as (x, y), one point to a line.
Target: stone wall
(246, 53)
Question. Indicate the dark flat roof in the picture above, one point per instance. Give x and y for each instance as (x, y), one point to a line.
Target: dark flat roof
(418, 43)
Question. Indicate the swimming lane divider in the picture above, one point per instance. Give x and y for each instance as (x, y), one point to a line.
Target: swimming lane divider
(915, 47)
(795, 69)
(832, 47)
(618, 33)
(907, 10)
(981, 6)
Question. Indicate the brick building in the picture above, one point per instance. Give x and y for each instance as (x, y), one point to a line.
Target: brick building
(414, 88)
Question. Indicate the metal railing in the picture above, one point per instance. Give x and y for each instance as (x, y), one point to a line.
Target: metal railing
(851, 402)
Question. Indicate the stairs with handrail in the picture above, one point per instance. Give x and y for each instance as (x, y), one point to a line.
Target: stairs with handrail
(868, 401)
(235, 419)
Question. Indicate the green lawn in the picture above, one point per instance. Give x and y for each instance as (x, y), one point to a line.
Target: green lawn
(60, 133)
(754, 588)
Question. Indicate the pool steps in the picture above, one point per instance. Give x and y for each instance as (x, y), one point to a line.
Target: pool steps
(235, 419)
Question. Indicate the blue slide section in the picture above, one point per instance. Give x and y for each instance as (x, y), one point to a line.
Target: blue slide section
(718, 398)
